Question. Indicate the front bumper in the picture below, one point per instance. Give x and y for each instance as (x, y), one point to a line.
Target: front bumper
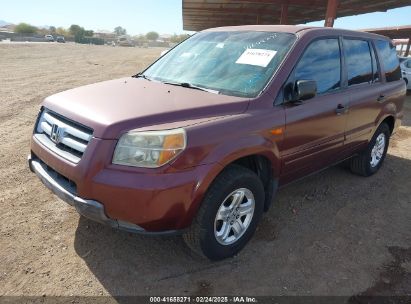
(88, 208)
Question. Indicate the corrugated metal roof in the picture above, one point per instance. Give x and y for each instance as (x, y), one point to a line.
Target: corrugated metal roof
(203, 14)
(399, 32)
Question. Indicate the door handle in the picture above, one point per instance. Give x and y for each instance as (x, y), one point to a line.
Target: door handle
(341, 109)
(381, 98)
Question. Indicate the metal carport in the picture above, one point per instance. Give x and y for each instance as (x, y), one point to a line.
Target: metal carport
(202, 14)
(400, 32)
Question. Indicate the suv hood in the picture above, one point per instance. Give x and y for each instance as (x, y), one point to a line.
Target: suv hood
(113, 107)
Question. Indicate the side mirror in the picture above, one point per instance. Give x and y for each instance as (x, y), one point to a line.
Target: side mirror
(305, 89)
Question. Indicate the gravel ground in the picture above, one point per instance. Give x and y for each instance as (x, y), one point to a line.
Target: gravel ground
(332, 233)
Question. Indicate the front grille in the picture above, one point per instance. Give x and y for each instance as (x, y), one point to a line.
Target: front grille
(65, 137)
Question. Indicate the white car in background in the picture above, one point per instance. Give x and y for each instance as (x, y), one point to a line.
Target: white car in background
(49, 38)
(406, 71)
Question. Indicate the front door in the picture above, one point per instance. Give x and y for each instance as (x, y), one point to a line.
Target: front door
(314, 132)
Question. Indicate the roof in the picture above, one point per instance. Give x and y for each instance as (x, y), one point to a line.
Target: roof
(297, 29)
(399, 32)
(202, 14)
(263, 28)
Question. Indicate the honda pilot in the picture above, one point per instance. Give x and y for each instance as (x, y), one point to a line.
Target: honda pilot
(198, 143)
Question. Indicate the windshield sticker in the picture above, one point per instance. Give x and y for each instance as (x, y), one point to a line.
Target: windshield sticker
(220, 45)
(256, 57)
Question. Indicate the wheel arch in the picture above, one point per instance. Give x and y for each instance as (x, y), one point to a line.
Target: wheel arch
(390, 121)
(263, 160)
(388, 115)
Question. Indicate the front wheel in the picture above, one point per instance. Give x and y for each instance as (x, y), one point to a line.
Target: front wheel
(370, 160)
(229, 214)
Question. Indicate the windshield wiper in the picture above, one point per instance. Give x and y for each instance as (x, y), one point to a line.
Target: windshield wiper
(191, 86)
(141, 75)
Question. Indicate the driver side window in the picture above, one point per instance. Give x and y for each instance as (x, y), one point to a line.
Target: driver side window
(321, 62)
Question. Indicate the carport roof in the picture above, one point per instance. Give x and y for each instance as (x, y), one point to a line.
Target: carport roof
(400, 32)
(202, 14)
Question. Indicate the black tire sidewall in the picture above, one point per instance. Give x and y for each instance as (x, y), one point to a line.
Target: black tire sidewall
(209, 245)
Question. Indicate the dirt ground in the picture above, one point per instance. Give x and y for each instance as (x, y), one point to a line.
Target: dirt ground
(333, 233)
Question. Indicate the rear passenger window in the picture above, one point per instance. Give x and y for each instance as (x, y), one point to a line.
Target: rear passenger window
(389, 59)
(321, 62)
(358, 61)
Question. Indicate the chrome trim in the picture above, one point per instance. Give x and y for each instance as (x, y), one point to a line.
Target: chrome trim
(46, 141)
(69, 129)
(65, 138)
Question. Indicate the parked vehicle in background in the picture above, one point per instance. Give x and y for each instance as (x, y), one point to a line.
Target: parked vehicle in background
(60, 39)
(406, 71)
(125, 41)
(200, 141)
(49, 38)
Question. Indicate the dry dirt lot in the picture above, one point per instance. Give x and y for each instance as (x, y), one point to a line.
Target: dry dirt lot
(333, 233)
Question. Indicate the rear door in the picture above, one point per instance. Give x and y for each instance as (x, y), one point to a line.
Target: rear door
(314, 133)
(364, 89)
(370, 92)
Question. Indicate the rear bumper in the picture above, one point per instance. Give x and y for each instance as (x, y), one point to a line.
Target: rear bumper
(88, 208)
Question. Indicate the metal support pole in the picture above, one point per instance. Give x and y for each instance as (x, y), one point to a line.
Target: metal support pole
(331, 13)
(407, 51)
(284, 13)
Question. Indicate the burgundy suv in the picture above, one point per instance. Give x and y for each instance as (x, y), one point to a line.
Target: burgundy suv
(200, 141)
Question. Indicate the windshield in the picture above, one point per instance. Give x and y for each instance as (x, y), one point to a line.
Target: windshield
(231, 63)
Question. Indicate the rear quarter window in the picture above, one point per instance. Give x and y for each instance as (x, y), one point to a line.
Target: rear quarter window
(389, 59)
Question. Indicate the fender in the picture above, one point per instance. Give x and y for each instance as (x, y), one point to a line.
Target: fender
(396, 94)
(389, 110)
(225, 154)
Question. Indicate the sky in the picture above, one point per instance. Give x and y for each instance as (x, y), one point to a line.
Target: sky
(142, 16)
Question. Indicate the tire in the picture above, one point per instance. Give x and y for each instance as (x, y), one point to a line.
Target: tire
(223, 194)
(364, 164)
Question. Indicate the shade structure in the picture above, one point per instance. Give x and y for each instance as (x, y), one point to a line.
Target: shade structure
(203, 14)
(399, 32)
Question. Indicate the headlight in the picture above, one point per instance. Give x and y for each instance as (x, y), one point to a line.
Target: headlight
(150, 149)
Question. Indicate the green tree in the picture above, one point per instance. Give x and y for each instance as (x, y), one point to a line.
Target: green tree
(62, 31)
(119, 31)
(76, 30)
(152, 36)
(52, 29)
(88, 33)
(24, 28)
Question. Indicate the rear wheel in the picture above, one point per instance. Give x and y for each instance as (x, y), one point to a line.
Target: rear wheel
(370, 160)
(229, 214)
